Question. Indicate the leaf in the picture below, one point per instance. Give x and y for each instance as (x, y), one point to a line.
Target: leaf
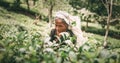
(74, 23)
(64, 54)
(59, 60)
(89, 54)
(72, 56)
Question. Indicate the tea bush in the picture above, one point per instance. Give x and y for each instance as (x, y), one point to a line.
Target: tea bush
(19, 45)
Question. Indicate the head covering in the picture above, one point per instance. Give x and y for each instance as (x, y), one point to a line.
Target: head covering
(69, 19)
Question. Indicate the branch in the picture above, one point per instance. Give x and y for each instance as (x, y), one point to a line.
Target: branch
(111, 7)
(116, 4)
(104, 4)
(113, 20)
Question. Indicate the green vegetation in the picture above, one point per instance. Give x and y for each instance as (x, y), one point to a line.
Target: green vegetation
(97, 29)
(22, 41)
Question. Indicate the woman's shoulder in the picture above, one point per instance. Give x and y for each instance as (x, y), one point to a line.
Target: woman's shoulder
(53, 30)
(70, 32)
(52, 34)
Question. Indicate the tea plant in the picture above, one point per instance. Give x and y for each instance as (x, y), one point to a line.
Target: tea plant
(19, 45)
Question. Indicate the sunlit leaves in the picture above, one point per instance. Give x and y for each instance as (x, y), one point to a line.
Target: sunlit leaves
(28, 47)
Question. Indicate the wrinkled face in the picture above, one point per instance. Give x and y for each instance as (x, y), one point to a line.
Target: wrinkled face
(60, 26)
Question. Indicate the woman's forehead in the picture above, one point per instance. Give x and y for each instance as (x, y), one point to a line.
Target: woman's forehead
(58, 21)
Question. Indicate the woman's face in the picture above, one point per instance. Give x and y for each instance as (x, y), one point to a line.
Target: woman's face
(60, 26)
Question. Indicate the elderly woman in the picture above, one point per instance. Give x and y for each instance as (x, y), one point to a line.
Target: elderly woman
(67, 26)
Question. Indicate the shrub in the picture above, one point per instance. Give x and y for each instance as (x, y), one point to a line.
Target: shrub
(117, 26)
(112, 33)
(28, 47)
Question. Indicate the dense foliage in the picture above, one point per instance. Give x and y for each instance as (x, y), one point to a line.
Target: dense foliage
(21, 41)
(18, 45)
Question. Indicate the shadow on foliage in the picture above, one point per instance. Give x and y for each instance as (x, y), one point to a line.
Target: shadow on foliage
(112, 33)
(19, 9)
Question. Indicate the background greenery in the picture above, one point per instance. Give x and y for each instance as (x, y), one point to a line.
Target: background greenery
(24, 27)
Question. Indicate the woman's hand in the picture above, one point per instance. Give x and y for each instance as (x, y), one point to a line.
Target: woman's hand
(57, 33)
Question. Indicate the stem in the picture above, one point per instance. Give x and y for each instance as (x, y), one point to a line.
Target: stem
(50, 15)
(109, 11)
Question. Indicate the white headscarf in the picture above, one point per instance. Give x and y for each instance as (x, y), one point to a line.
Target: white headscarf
(69, 19)
(76, 29)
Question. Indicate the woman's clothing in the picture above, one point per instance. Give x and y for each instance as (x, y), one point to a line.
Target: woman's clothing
(66, 36)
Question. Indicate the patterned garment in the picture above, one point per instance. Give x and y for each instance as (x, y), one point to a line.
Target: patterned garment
(68, 35)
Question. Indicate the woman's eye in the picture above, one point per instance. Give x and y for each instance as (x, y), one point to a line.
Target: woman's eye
(60, 26)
